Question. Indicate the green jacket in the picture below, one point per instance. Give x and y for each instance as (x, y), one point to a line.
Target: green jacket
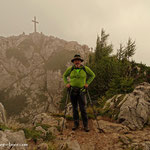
(78, 77)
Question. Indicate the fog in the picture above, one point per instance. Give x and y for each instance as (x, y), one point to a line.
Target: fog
(81, 21)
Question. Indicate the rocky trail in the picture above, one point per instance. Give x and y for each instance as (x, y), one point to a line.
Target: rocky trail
(90, 140)
(116, 137)
(81, 140)
(128, 128)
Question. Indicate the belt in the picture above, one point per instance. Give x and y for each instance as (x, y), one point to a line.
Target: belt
(77, 89)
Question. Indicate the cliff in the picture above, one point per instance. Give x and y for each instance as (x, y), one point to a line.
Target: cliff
(31, 69)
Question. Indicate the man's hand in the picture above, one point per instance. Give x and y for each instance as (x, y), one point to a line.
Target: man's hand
(68, 85)
(86, 85)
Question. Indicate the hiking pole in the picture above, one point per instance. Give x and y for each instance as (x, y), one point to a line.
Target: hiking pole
(67, 99)
(91, 102)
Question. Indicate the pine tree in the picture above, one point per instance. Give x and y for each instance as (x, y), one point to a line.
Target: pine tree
(130, 49)
(120, 52)
(102, 48)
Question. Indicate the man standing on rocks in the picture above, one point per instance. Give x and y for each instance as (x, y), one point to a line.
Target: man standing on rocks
(78, 81)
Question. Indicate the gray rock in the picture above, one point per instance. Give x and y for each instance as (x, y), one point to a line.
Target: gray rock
(110, 127)
(2, 114)
(125, 140)
(73, 145)
(133, 109)
(45, 119)
(18, 137)
(141, 145)
(53, 130)
(69, 109)
(42, 146)
(39, 128)
(69, 145)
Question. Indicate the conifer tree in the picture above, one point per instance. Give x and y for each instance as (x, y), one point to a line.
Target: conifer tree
(102, 48)
(130, 49)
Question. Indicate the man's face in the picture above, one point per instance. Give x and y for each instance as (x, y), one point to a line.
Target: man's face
(77, 62)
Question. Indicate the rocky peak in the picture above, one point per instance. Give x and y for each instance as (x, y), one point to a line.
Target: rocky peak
(31, 71)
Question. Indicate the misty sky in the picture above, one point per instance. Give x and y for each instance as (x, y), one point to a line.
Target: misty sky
(81, 21)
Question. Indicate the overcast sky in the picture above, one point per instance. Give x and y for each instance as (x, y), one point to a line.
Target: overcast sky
(81, 21)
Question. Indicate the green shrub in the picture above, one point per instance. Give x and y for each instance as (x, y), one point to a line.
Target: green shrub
(4, 127)
(44, 126)
(30, 133)
(49, 136)
(35, 135)
(120, 86)
(58, 128)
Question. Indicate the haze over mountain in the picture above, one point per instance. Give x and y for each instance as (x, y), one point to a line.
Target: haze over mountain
(31, 69)
(81, 21)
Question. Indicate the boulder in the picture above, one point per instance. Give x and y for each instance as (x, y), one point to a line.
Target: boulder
(110, 127)
(135, 142)
(45, 119)
(9, 137)
(133, 109)
(39, 128)
(2, 114)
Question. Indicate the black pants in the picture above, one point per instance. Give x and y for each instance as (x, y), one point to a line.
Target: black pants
(79, 98)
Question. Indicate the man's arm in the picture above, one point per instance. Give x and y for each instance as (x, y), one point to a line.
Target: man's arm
(66, 74)
(91, 75)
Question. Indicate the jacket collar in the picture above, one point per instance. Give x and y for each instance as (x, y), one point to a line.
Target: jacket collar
(76, 68)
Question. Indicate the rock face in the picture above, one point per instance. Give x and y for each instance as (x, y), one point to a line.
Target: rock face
(109, 127)
(132, 110)
(136, 140)
(31, 69)
(8, 136)
(2, 114)
(44, 118)
(69, 109)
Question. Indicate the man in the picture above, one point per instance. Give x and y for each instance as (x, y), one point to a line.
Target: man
(78, 80)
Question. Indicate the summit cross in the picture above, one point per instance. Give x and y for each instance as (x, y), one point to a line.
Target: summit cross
(35, 22)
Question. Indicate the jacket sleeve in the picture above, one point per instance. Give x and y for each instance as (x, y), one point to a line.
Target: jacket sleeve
(66, 74)
(91, 75)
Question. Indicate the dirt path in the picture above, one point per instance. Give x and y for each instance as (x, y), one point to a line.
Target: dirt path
(99, 141)
(110, 140)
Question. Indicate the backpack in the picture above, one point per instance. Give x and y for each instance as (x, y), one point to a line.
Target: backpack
(83, 67)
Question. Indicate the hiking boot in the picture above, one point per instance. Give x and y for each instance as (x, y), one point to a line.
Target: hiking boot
(86, 129)
(76, 126)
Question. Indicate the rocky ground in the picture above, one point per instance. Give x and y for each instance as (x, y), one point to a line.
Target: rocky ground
(44, 134)
(92, 140)
(127, 128)
(116, 137)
